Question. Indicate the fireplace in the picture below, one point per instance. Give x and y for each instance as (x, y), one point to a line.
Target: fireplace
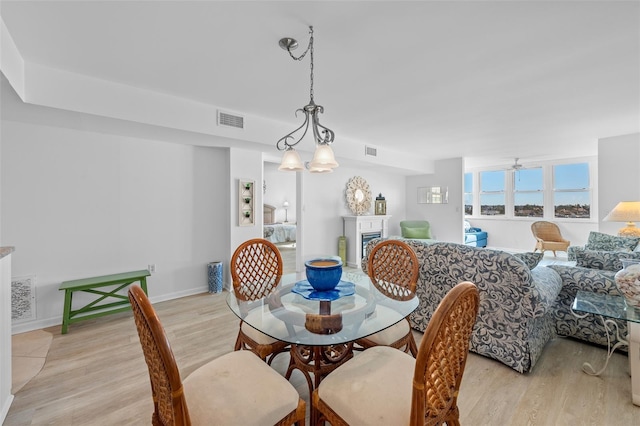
(368, 237)
(359, 230)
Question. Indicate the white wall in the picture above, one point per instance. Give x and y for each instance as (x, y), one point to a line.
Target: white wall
(243, 165)
(446, 220)
(78, 204)
(618, 162)
(323, 202)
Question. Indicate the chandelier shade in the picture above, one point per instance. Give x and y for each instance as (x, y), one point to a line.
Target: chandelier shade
(291, 161)
(323, 160)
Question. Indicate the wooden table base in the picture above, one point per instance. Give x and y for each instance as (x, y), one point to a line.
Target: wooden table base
(317, 360)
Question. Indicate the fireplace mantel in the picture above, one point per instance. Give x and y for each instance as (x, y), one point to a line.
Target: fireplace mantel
(354, 229)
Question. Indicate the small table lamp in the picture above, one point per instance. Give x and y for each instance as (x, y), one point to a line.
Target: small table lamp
(626, 211)
(286, 211)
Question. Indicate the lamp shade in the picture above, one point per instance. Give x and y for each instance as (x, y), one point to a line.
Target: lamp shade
(323, 158)
(291, 161)
(626, 211)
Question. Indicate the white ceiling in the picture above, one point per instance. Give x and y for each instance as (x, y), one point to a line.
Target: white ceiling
(534, 80)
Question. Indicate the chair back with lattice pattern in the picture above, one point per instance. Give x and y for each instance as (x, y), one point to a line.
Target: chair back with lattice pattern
(170, 407)
(256, 269)
(442, 357)
(393, 268)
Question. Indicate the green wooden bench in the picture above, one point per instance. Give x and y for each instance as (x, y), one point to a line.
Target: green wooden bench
(90, 285)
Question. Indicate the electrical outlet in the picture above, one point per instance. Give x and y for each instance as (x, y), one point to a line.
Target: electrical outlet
(152, 267)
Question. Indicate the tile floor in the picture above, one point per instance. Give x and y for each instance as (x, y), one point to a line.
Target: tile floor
(28, 354)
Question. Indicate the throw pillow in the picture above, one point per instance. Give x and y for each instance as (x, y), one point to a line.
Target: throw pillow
(600, 241)
(530, 259)
(605, 260)
(419, 233)
(467, 226)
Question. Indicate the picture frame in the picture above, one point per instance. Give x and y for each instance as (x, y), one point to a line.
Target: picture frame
(246, 196)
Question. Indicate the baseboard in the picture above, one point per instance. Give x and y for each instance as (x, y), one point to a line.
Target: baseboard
(57, 321)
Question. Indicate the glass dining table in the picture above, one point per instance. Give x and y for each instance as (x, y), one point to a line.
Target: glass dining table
(321, 326)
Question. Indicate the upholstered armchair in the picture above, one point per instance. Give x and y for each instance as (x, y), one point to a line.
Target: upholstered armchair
(416, 229)
(474, 237)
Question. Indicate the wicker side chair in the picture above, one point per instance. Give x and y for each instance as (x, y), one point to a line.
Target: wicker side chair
(236, 388)
(548, 237)
(256, 269)
(393, 269)
(396, 389)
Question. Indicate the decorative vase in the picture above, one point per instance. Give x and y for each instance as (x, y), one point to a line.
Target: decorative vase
(628, 281)
(324, 273)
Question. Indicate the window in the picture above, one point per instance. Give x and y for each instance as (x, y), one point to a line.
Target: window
(550, 190)
(528, 195)
(492, 193)
(571, 191)
(468, 193)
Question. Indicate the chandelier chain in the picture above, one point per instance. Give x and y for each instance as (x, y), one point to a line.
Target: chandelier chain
(299, 58)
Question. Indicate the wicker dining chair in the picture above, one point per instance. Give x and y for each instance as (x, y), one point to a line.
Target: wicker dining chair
(236, 388)
(393, 269)
(548, 237)
(256, 269)
(396, 389)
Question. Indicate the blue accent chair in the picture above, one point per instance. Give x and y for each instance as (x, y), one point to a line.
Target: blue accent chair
(474, 237)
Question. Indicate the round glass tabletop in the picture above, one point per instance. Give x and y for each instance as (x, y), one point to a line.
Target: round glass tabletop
(290, 317)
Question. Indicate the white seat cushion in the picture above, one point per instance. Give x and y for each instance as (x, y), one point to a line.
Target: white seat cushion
(373, 388)
(391, 334)
(259, 337)
(238, 389)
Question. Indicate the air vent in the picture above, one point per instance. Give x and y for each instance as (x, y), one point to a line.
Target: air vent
(23, 298)
(230, 120)
(370, 151)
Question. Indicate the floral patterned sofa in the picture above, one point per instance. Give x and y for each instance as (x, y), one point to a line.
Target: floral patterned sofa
(515, 319)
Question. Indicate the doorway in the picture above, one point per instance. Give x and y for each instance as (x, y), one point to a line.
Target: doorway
(280, 226)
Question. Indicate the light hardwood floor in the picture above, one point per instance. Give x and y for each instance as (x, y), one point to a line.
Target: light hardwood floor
(96, 375)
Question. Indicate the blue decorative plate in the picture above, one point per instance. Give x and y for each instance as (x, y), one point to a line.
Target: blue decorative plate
(304, 289)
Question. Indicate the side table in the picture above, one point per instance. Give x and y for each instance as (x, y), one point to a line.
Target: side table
(608, 307)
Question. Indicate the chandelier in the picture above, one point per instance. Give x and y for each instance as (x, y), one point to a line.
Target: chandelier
(323, 159)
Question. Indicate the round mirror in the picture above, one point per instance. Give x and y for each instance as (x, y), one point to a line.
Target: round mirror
(358, 195)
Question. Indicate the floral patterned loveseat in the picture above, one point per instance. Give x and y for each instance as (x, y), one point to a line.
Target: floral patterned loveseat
(515, 319)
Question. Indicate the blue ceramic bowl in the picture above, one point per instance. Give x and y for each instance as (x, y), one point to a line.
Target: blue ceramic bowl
(324, 273)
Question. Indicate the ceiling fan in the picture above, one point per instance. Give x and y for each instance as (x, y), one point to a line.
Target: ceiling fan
(515, 166)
